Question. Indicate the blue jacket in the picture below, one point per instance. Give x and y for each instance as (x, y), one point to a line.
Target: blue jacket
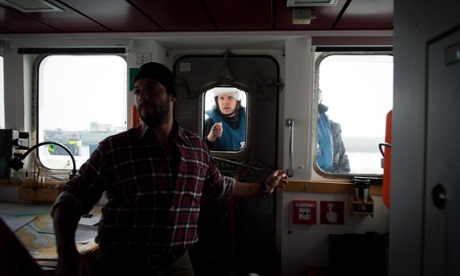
(325, 151)
(232, 139)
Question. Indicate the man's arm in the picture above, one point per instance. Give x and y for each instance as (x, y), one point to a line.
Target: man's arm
(65, 221)
(276, 179)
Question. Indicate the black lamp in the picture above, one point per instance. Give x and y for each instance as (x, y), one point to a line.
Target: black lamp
(17, 163)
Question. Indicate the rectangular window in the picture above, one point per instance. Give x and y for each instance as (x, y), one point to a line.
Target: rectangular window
(81, 100)
(354, 94)
(225, 119)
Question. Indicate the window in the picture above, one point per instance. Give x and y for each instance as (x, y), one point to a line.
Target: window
(225, 107)
(357, 91)
(2, 96)
(81, 100)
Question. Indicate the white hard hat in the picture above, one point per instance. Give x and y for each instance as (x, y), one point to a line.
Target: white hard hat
(230, 91)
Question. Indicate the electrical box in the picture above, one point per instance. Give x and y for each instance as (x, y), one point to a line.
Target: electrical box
(7, 137)
(304, 211)
(10, 140)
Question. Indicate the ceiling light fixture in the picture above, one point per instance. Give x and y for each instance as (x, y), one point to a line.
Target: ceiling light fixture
(311, 3)
(302, 16)
(32, 5)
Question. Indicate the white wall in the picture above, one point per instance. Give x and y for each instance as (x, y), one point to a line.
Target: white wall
(307, 245)
(14, 90)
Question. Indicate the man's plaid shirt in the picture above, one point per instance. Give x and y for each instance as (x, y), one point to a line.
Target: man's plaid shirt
(148, 204)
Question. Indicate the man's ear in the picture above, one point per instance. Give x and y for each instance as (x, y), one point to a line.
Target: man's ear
(173, 98)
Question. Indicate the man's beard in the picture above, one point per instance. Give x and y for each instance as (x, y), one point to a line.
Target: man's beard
(156, 118)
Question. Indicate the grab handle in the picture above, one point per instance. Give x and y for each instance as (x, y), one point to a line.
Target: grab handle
(290, 170)
(381, 146)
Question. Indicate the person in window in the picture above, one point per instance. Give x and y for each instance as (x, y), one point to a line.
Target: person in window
(330, 155)
(154, 176)
(226, 125)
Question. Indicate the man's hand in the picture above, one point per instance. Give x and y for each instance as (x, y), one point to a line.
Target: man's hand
(276, 179)
(70, 261)
(72, 264)
(215, 132)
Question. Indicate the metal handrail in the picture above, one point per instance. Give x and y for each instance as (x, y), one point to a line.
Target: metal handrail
(290, 170)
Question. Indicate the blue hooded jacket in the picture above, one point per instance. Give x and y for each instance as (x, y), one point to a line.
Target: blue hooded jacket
(325, 151)
(232, 139)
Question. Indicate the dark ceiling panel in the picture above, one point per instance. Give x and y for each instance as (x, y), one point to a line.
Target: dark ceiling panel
(194, 16)
(377, 15)
(243, 15)
(63, 21)
(175, 15)
(325, 17)
(14, 22)
(115, 15)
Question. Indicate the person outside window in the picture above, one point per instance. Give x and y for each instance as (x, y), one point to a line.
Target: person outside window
(154, 176)
(225, 128)
(330, 155)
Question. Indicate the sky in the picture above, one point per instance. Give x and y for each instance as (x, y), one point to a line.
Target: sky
(90, 88)
(358, 93)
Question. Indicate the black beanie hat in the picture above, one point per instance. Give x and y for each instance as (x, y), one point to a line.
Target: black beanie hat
(158, 72)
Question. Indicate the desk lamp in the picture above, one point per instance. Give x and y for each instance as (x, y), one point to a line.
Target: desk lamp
(17, 162)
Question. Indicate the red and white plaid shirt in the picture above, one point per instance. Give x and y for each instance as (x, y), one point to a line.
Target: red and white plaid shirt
(148, 204)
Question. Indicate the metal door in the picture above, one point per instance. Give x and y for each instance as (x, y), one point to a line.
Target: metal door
(238, 236)
(442, 194)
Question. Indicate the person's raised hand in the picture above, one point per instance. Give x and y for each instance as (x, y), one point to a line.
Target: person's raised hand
(215, 132)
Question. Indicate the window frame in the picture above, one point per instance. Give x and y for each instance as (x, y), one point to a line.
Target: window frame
(2, 91)
(62, 173)
(321, 56)
(204, 117)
